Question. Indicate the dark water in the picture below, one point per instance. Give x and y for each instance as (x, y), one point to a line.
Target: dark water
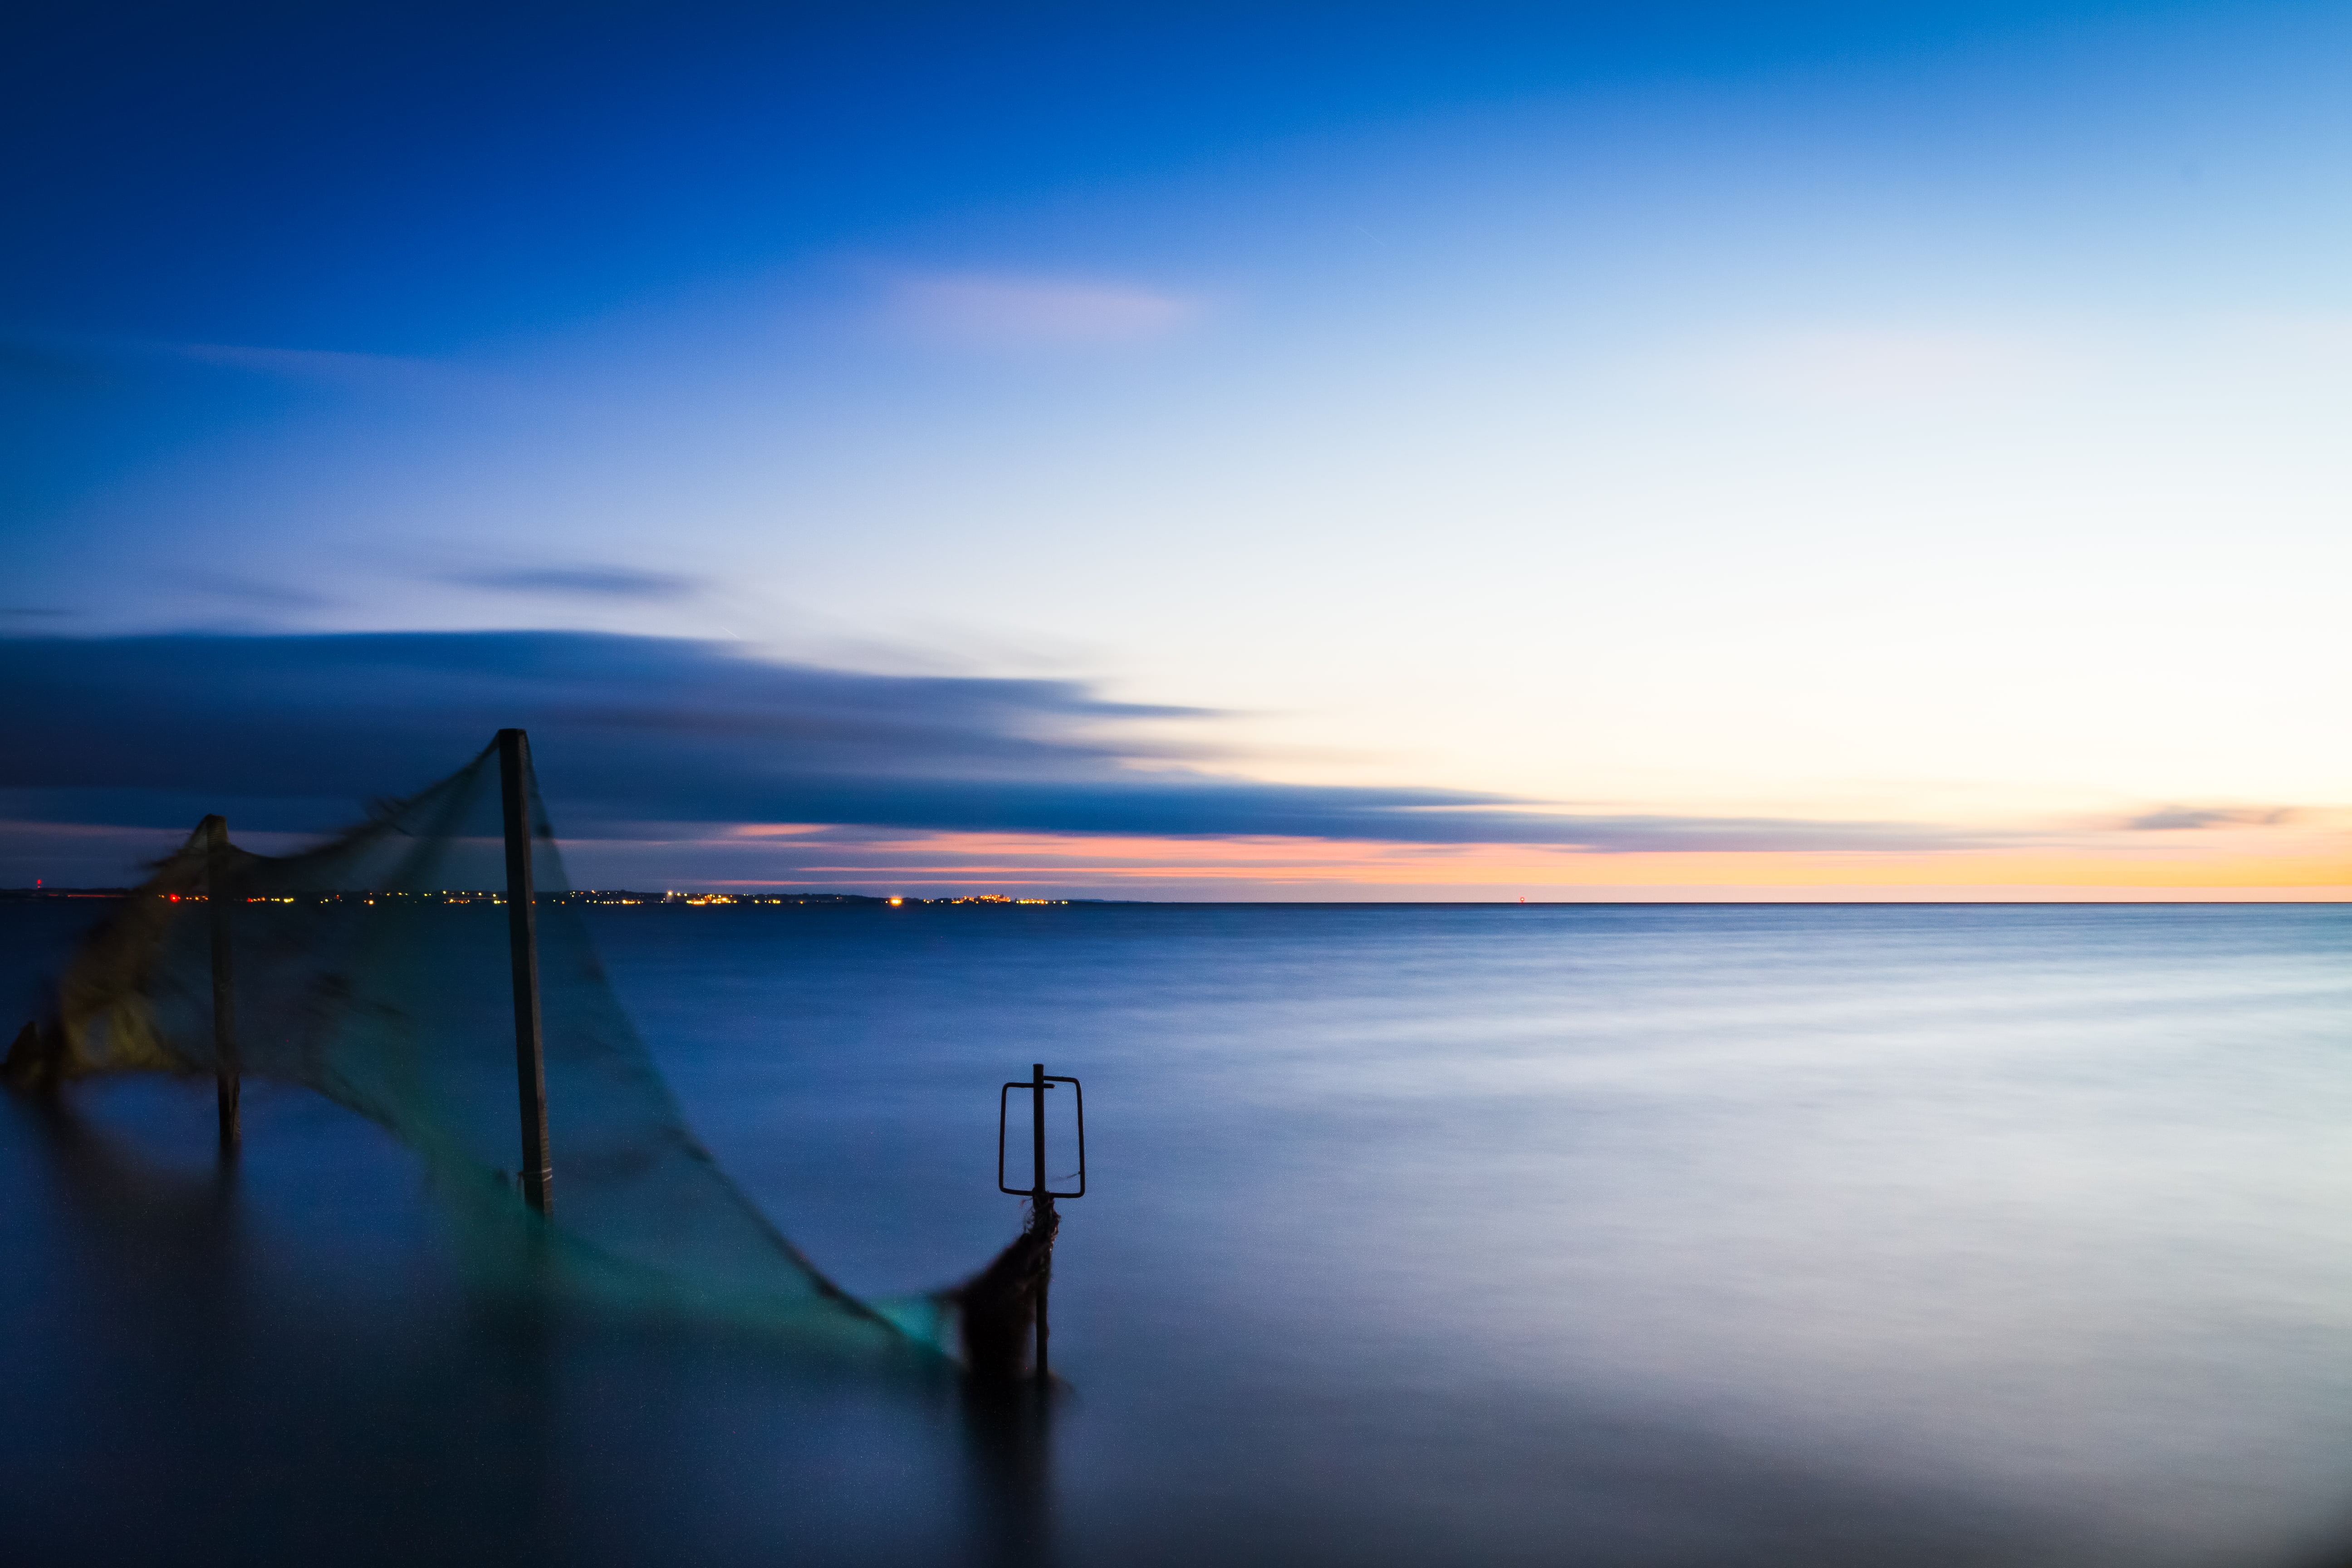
(1417, 1234)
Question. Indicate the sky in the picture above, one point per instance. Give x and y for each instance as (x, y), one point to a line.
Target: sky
(1281, 451)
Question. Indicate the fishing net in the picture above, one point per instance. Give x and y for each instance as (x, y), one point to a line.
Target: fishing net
(375, 969)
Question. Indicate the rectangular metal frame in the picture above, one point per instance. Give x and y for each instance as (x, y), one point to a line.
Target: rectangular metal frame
(1002, 1104)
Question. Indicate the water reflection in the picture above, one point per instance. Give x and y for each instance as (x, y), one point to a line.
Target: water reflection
(1009, 1445)
(191, 1384)
(1652, 1237)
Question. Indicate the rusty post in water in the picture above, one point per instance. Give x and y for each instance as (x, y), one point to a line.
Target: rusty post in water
(522, 942)
(1035, 1248)
(227, 1075)
(1042, 1211)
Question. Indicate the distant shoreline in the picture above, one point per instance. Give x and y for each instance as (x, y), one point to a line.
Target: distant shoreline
(617, 896)
(622, 898)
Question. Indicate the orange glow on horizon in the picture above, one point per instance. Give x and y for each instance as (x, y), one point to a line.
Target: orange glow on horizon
(2223, 863)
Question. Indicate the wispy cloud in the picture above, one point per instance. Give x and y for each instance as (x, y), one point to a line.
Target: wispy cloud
(65, 360)
(327, 367)
(2176, 818)
(1007, 311)
(583, 582)
(254, 593)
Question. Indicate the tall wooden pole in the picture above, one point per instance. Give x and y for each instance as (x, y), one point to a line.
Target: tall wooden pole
(1041, 1208)
(522, 940)
(227, 1069)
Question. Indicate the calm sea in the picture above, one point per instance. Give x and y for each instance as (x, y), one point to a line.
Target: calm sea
(1566, 1235)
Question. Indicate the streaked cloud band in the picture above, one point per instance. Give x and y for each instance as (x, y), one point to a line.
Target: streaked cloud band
(298, 729)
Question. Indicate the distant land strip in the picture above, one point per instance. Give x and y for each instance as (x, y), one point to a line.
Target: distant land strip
(600, 896)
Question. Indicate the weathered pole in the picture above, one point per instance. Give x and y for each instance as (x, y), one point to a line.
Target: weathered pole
(227, 1073)
(522, 942)
(1041, 1210)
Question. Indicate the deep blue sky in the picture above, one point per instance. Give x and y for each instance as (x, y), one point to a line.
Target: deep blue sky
(429, 179)
(1822, 413)
(415, 178)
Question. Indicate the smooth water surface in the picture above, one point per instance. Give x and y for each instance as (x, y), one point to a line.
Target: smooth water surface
(1696, 1235)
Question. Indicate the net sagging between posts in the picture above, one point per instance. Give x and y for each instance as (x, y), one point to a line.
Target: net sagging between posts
(358, 976)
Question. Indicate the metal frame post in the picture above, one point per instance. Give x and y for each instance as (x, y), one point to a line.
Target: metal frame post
(1042, 1220)
(522, 940)
(1042, 1210)
(228, 1077)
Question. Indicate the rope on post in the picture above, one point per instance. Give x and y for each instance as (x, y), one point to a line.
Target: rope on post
(1036, 1244)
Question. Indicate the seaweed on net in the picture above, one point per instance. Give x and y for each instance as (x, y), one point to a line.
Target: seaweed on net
(373, 969)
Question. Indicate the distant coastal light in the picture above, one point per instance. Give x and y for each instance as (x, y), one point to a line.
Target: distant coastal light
(596, 896)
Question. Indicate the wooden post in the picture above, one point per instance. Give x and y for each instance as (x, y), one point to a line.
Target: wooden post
(227, 1073)
(522, 942)
(1041, 1211)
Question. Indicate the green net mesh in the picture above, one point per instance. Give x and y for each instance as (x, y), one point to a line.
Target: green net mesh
(375, 969)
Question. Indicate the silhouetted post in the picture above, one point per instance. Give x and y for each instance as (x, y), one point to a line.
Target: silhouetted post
(1035, 1248)
(227, 1075)
(522, 940)
(1042, 1209)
